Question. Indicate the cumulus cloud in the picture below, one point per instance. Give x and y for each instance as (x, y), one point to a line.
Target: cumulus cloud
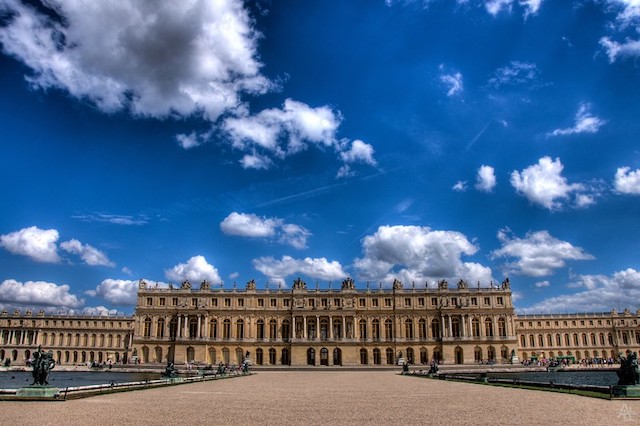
(414, 253)
(460, 186)
(538, 254)
(627, 181)
(453, 82)
(118, 292)
(628, 15)
(542, 284)
(486, 179)
(318, 268)
(38, 244)
(360, 152)
(195, 270)
(494, 7)
(544, 184)
(515, 74)
(89, 255)
(37, 293)
(600, 293)
(97, 311)
(585, 122)
(253, 226)
(169, 60)
(156, 60)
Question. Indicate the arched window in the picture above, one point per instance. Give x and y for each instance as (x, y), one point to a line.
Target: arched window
(286, 330)
(455, 327)
(390, 358)
(435, 328)
(408, 329)
(213, 329)
(424, 356)
(376, 357)
(362, 326)
(260, 330)
(240, 329)
(364, 358)
(272, 356)
(575, 339)
(422, 329)
(502, 327)
(410, 355)
(388, 329)
(475, 327)
(311, 356)
(477, 354)
(540, 340)
(160, 331)
(173, 328)
(488, 327)
(584, 339)
(259, 360)
(532, 340)
(602, 339)
(558, 340)
(193, 328)
(593, 339)
(566, 339)
(273, 329)
(146, 328)
(226, 329)
(523, 341)
(549, 340)
(375, 329)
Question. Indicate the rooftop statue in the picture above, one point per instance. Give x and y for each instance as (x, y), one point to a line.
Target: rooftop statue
(251, 285)
(348, 284)
(186, 285)
(298, 284)
(462, 284)
(443, 285)
(505, 284)
(397, 285)
(205, 285)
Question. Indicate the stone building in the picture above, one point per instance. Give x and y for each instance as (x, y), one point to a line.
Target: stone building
(578, 336)
(345, 326)
(301, 326)
(73, 339)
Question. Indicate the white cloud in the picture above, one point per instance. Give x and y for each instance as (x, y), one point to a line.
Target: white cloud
(359, 152)
(195, 270)
(118, 292)
(279, 270)
(255, 161)
(157, 60)
(542, 284)
(286, 131)
(37, 293)
(97, 311)
(253, 226)
(114, 219)
(628, 15)
(345, 171)
(126, 270)
(627, 181)
(544, 184)
(90, 255)
(189, 141)
(414, 253)
(453, 83)
(601, 294)
(460, 186)
(515, 74)
(615, 50)
(249, 225)
(36, 243)
(494, 7)
(585, 122)
(538, 254)
(486, 179)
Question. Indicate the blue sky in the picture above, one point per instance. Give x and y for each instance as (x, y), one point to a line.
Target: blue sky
(230, 141)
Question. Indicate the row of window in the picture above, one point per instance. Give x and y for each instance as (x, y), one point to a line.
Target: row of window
(66, 323)
(53, 339)
(575, 340)
(326, 302)
(374, 331)
(565, 323)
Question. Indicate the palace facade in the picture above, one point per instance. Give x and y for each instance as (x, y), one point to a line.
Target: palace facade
(303, 326)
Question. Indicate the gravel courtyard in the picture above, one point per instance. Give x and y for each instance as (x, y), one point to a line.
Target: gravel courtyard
(325, 397)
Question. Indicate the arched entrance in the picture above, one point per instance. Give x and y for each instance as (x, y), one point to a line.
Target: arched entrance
(324, 356)
(225, 355)
(437, 355)
(286, 359)
(459, 355)
(158, 354)
(311, 356)
(337, 356)
(239, 356)
(191, 354)
(212, 356)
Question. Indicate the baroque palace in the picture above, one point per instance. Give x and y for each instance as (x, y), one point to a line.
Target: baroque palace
(302, 326)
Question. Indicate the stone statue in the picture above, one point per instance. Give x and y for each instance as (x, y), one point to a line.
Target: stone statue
(629, 372)
(443, 285)
(298, 284)
(142, 284)
(397, 285)
(205, 285)
(462, 285)
(186, 285)
(506, 284)
(251, 285)
(348, 284)
(42, 363)
(170, 371)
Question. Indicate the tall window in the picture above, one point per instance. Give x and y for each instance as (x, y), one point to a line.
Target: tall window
(240, 329)
(388, 329)
(273, 329)
(502, 328)
(160, 332)
(260, 329)
(226, 329)
(422, 329)
(475, 327)
(362, 325)
(364, 358)
(435, 328)
(146, 328)
(488, 327)
(375, 329)
(376, 356)
(455, 327)
(286, 330)
(213, 329)
(408, 329)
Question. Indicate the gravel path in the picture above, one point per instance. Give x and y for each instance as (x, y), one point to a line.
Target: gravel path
(328, 397)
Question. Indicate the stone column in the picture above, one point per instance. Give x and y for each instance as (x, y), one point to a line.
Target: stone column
(330, 336)
(304, 327)
(450, 327)
(199, 326)
(179, 326)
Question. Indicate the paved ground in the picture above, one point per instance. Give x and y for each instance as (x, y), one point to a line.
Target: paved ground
(329, 397)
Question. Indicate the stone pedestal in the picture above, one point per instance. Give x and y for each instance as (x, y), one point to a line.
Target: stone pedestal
(38, 392)
(626, 391)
